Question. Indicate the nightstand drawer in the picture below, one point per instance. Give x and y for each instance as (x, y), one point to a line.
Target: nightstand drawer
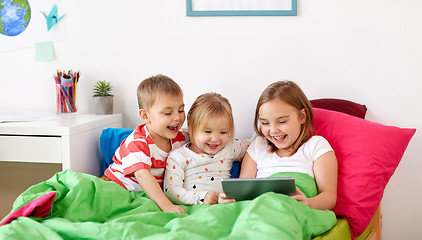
(42, 149)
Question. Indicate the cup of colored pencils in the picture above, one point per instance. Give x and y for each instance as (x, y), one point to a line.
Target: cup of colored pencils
(66, 91)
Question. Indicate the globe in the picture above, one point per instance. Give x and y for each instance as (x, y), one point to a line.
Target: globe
(14, 16)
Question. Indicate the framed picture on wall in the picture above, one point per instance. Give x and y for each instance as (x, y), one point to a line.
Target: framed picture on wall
(209, 8)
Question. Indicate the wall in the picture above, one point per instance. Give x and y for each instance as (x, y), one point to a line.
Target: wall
(365, 51)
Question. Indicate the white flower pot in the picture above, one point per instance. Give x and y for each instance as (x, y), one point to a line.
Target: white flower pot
(102, 105)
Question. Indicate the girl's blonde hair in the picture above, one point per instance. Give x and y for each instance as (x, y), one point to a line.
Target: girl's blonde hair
(205, 107)
(153, 87)
(290, 93)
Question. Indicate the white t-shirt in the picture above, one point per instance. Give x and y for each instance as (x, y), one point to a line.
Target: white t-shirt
(302, 161)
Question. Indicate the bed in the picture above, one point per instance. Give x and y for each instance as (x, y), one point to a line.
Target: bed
(73, 205)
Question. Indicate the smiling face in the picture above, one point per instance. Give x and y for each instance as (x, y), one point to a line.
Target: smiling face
(212, 137)
(281, 124)
(164, 118)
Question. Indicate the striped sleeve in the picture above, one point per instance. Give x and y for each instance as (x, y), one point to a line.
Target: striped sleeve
(135, 156)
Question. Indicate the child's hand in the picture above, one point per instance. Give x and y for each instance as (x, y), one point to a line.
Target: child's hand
(211, 197)
(173, 209)
(222, 199)
(216, 197)
(300, 197)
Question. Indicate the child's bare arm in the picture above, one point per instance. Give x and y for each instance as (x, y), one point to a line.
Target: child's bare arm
(151, 187)
(248, 169)
(325, 169)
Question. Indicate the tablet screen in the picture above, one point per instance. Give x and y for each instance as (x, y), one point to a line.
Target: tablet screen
(250, 188)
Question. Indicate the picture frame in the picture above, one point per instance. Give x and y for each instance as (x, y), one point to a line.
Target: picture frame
(214, 8)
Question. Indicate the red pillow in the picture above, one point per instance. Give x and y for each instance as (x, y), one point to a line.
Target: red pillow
(340, 105)
(367, 154)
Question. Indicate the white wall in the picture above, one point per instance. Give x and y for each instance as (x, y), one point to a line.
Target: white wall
(365, 51)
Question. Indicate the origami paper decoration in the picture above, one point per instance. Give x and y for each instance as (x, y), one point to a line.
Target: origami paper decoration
(52, 17)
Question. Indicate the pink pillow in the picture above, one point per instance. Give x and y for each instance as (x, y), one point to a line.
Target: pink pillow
(368, 154)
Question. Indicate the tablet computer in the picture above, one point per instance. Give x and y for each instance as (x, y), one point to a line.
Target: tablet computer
(250, 188)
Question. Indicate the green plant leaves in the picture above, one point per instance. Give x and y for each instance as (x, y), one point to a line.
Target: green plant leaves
(102, 89)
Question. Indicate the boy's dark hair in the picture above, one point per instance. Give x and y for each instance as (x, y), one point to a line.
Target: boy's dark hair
(153, 87)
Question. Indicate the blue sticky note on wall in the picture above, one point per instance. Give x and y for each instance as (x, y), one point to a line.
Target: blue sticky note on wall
(44, 51)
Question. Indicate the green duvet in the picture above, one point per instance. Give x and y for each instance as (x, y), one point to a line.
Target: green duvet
(86, 207)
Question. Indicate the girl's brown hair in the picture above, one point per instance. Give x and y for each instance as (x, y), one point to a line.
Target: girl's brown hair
(205, 107)
(290, 93)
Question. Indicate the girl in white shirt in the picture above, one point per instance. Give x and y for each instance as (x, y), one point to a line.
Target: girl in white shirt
(285, 143)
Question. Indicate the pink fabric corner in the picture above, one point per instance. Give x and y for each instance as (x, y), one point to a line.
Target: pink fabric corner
(39, 207)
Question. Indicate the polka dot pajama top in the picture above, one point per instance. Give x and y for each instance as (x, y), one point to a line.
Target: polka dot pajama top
(189, 176)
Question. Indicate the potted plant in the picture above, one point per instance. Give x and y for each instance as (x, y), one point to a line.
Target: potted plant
(102, 98)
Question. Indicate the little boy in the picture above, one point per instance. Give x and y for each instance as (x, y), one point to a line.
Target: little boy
(140, 161)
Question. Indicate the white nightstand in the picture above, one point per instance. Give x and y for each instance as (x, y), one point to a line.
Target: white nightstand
(72, 141)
